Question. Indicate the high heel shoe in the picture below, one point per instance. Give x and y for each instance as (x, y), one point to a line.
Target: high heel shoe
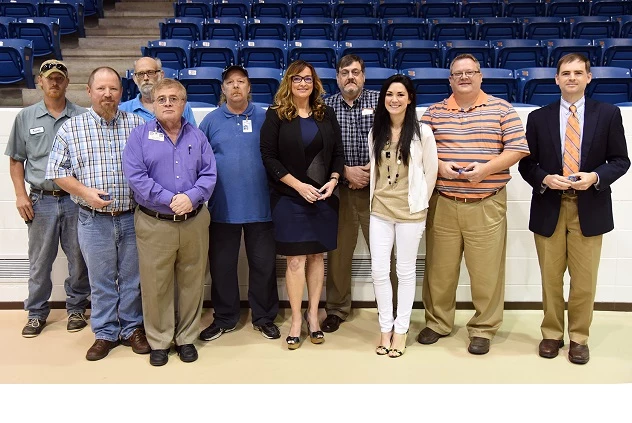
(317, 337)
(293, 342)
(383, 350)
(394, 352)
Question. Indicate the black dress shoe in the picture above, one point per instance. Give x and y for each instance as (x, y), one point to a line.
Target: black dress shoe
(427, 336)
(158, 357)
(187, 353)
(331, 323)
(549, 348)
(478, 345)
(578, 354)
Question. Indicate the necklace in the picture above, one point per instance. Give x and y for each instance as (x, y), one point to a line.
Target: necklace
(387, 154)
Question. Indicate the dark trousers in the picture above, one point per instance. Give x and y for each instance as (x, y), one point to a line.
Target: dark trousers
(263, 296)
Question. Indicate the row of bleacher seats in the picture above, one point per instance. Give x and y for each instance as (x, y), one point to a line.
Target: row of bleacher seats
(506, 54)
(33, 8)
(437, 29)
(534, 86)
(70, 13)
(394, 8)
(45, 33)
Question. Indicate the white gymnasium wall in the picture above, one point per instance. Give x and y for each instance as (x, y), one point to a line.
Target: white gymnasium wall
(523, 280)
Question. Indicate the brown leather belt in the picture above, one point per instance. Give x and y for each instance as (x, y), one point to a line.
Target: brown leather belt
(54, 193)
(170, 217)
(467, 200)
(109, 213)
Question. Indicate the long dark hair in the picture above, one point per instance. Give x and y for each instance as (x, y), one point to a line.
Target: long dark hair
(382, 121)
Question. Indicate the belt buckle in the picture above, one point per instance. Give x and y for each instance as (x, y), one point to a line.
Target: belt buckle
(57, 193)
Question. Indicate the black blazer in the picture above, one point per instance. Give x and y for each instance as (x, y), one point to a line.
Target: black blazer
(283, 152)
(603, 150)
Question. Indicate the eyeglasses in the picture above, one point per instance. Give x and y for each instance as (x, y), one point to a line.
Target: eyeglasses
(355, 73)
(172, 100)
(469, 74)
(49, 66)
(149, 73)
(297, 79)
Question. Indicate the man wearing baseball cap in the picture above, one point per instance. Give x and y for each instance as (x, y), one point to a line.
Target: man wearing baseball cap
(50, 214)
(240, 203)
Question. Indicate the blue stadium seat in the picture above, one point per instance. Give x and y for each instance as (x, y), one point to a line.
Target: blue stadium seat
(263, 53)
(610, 7)
(320, 53)
(175, 54)
(396, 8)
(69, 12)
(567, 8)
(500, 83)
(202, 84)
(313, 8)
(232, 8)
(625, 23)
(610, 85)
(517, 54)
(268, 28)
(478, 48)
(190, 29)
(497, 28)
(373, 52)
(523, 8)
(93, 7)
(480, 9)
(264, 83)
(225, 29)
(560, 47)
(374, 77)
(415, 54)
(214, 53)
(404, 29)
(171, 73)
(272, 9)
(328, 79)
(541, 28)
(592, 27)
(447, 29)
(358, 29)
(318, 28)
(44, 32)
(537, 86)
(19, 9)
(4, 26)
(354, 9)
(431, 85)
(438, 9)
(202, 9)
(624, 104)
(616, 52)
(16, 62)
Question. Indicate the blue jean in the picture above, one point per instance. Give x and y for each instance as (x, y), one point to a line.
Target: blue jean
(55, 222)
(109, 247)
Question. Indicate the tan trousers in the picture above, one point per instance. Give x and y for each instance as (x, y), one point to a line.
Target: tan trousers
(353, 214)
(477, 231)
(567, 247)
(168, 251)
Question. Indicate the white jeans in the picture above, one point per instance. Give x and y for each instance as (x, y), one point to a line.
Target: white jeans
(406, 236)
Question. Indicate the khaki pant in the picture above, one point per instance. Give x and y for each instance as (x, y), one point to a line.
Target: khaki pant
(477, 231)
(567, 247)
(353, 214)
(168, 251)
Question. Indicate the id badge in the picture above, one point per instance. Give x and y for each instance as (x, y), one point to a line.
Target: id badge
(156, 136)
(247, 125)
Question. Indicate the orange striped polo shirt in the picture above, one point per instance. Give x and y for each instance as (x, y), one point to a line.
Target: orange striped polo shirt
(478, 134)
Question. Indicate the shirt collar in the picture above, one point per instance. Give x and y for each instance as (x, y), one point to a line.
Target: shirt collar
(248, 112)
(579, 104)
(159, 127)
(102, 121)
(482, 99)
(41, 110)
(356, 101)
(138, 105)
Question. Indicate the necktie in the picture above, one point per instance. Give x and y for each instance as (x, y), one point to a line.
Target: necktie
(571, 143)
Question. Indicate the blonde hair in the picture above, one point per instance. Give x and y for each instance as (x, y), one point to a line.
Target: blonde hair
(284, 100)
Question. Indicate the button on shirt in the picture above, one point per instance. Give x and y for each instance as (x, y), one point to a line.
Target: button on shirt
(136, 106)
(90, 148)
(32, 137)
(157, 169)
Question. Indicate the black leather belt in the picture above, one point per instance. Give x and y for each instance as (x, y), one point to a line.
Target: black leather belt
(170, 217)
(569, 192)
(467, 200)
(109, 213)
(54, 193)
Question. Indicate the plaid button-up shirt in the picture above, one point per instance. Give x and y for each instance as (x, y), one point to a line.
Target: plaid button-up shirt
(90, 148)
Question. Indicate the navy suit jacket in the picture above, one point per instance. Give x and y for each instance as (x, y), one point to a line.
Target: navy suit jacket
(603, 150)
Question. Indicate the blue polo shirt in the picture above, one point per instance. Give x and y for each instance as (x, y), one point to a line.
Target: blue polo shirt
(241, 194)
(136, 106)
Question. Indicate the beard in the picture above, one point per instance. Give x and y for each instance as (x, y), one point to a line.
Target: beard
(107, 111)
(145, 89)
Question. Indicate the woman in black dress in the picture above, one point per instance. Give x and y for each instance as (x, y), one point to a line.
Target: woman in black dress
(301, 147)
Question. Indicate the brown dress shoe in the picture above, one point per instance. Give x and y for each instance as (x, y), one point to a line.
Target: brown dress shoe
(138, 342)
(478, 345)
(578, 354)
(549, 348)
(427, 336)
(100, 349)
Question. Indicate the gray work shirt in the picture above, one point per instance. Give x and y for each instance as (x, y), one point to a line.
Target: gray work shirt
(31, 139)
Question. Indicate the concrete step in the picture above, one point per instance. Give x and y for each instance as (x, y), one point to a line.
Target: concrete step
(131, 23)
(76, 93)
(11, 96)
(153, 33)
(115, 14)
(92, 53)
(165, 6)
(111, 42)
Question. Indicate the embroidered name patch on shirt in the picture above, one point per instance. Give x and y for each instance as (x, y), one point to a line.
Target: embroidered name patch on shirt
(35, 131)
